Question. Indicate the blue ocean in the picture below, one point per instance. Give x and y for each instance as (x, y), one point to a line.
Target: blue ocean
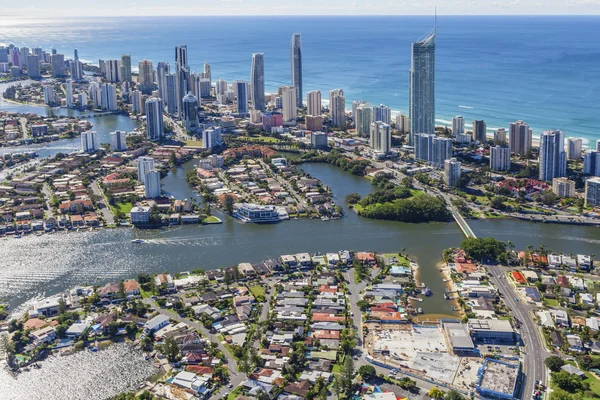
(544, 70)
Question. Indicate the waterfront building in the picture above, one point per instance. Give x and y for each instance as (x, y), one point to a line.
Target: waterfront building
(520, 138)
(380, 138)
(598, 145)
(108, 97)
(140, 215)
(113, 71)
(154, 118)
(241, 90)
(182, 75)
(152, 184)
(58, 66)
(76, 70)
(574, 146)
(126, 67)
(313, 102)
(591, 163)
(118, 141)
(33, 66)
(212, 137)
(381, 113)
(89, 142)
(458, 124)
(146, 77)
(479, 131)
(253, 213)
(337, 108)
(257, 81)
(95, 93)
(355, 105)
(69, 93)
(500, 137)
(50, 97)
(136, 102)
(553, 159)
(190, 113)
(452, 172)
(206, 74)
(171, 94)
(563, 187)
(592, 192)
(144, 165)
(101, 67)
(402, 123)
(421, 86)
(288, 103)
(162, 70)
(363, 118)
(82, 100)
(319, 140)
(313, 122)
(499, 158)
(296, 66)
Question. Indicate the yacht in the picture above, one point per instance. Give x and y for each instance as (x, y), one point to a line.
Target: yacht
(138, 241)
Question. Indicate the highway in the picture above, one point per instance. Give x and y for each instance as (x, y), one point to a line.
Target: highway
(535, 350)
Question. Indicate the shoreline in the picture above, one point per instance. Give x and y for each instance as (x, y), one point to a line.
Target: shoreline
(450, 285)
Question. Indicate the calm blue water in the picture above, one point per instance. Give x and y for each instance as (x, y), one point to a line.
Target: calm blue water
(544, 70)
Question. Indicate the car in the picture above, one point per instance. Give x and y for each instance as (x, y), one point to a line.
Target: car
(230, 385)
(225, 394)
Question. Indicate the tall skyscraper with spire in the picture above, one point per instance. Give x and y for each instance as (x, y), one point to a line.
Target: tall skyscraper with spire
(422, 86)
(257, 81)
(182, 73)
(296, 64)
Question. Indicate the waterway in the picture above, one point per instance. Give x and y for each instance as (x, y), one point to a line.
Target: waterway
(84, 375)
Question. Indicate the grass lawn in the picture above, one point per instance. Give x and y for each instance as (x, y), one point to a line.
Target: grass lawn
(337, 368)
(257, 291)
(594, 382)
(211, 220)
(234, 393)
(144, 293)
(550, 302)
(195, 143)
(125, 208)
(264, 139)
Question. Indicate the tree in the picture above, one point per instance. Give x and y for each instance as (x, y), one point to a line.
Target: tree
(170, 349)
(454, 395)
(554, 363)
(131, 329)
(62, 306)
(435, 393)
(113, 328)
(352, 198)
(228, 204)
(367, 371)
(122, 289)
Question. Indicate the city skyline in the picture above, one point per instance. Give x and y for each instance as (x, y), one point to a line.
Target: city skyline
(68, 8)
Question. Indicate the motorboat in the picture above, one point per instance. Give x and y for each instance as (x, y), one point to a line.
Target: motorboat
(138, 241)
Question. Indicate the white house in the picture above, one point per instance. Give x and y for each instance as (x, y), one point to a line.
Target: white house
(156, 323)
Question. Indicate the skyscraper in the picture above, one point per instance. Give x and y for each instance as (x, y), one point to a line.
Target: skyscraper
(574, 146)
(380, 137)
(553, 159)
(591, 163)
(402, 123)
(220, 86)
(89, 142)
(207, 74)
(423, 143)
(162, 70)
(363, 119)
(337, 108)
(113, 73)
(58, 66)
(146, 77)
(190, 113)
(458, 124)
(182, 72)
(452, 172)
(355, 104)
(33, 66)
(144, 165)
(118, 141)
(257, 81)
(136, 102)
(50, 97)
(108, 97)
(95, 93)
(75, 54)
(382, 113)
(76, 69)
(152, 184)
(499, 158)
(212, 137)
(592, 192)
(479, 131)
(171, 95)
(241, 89)
(520, 138)
(154, 118)
(125, 67)
(289, 101)
(422, 86)
(296, 64)
(313, 102)
(442, 150)
(500, 136)
(69, 94)
(598, 145)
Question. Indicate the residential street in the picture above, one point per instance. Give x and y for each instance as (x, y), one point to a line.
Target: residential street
(106, 213)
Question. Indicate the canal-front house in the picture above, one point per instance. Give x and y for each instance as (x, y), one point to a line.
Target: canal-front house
(156, 323)
(253, 213)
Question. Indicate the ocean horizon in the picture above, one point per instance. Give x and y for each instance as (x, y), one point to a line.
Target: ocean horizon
(544, 70)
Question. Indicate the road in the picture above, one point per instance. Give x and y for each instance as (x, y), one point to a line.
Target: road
(285, 184)
(535, 350)
(47, 196)
(107, 214)
(23, 122)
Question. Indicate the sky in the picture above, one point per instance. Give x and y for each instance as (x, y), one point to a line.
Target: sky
(67, 8)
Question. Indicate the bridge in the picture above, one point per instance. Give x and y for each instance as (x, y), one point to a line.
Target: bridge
(462, 223)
